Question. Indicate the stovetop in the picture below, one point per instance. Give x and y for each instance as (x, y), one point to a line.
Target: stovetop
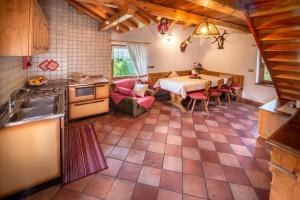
(47, 91)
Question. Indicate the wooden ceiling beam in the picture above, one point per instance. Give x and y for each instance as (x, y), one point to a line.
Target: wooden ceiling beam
(84, 10)
(217, 6)
(142, 19)
(180, 15)
(124, 14)
(274, 11)
(107, 3)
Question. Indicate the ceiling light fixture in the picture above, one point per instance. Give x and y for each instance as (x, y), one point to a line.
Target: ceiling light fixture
(206, 29)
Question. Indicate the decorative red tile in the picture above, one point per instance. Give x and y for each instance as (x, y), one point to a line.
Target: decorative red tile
(192, 167)
(153, 160)
(171, 180)
(194, 185)
(144, 192)
(218, 190)
(209, 156)
(129, 171)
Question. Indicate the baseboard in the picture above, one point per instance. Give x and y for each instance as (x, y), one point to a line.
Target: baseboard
(251, 102)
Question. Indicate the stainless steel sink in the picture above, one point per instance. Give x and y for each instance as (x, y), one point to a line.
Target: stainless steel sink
(28, 113)
(39, 102)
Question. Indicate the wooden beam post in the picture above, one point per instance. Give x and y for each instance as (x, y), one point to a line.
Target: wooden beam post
(124, 14)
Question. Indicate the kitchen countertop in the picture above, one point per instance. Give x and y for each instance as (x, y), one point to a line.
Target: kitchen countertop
(91, 80)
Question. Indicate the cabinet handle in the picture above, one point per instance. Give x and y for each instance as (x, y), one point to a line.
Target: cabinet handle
(90, 102)
(100, 85)
(287, 172)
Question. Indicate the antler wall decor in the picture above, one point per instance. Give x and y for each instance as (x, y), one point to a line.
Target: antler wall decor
(220, 40)
(185, 43)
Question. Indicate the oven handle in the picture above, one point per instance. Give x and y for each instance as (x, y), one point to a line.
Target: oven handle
(89, 102)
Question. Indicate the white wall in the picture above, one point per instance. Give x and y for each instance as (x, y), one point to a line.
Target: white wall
(238, 56)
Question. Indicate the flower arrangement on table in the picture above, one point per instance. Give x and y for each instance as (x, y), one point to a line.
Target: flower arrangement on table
(196, 70)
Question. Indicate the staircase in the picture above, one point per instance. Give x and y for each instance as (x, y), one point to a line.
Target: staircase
(277, 34)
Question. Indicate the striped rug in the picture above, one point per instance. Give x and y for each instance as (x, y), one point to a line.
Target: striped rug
(82, 154)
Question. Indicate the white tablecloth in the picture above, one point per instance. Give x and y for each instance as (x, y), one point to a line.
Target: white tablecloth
(213, 79)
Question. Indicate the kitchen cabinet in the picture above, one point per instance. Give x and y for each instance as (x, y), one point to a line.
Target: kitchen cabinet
(29, 155)
(24, 28)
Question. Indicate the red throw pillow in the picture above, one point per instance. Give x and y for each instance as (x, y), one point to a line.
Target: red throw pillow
(126, 91)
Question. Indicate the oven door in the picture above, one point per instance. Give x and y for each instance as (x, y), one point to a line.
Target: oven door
(81, 93)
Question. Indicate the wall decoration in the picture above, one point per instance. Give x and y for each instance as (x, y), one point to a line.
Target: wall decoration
(185, 43)
(220, 40)
(26, 62)
(163, 26)
(51, 65)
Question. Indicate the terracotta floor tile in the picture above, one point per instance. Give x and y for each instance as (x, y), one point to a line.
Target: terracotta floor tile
(136, 156)
(212, 123)
(66, 195)
(187, 126)
(150, 176)
(173, 139)
(193, 167)
(145, 135)
(213, 171)
(87, 197)
(259, 153)
(173, 150)
(136, 125)
(46, 194)
(148, 127)
(158, 137)
(120, 190)
(99, 186)
(126, 142)
(106, 149)
(258, 179)
(201, 127)
(150, 121)
(238, 126)
(161, 129)
(191, 153)
(119, 153)
(157, 147)
(194, 185)
(171, 180)
(189, 197)
(241, 192)
(188, 133)
(144, 192)
(209, 156)
(111, 139)
(189, 142)
(240, 150)
(218, 138)
(234, 140)
(228, 159)
(141, 144)
(153, 159)
(262, 194)
(168, 195)
(174, 124)
(223, 147)
(172, 163)
(236, 175)
(174, 131)
(218, 190)
(248, 163)
(203, 136)
(113, 167)
(205, 144)
(79, 185)
(214, 130)
(118, 131)
(129, 171)
(131, 133)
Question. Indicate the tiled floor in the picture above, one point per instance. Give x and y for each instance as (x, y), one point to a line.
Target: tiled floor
(167, 154)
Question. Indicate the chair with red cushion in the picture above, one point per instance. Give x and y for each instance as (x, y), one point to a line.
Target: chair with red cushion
(217, 92)
(200, 96)
(226, 89)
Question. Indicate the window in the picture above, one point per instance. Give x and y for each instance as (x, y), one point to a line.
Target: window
(121, 61)
(263, 75)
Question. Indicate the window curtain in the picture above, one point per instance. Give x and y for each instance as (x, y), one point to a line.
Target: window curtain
(139, 56)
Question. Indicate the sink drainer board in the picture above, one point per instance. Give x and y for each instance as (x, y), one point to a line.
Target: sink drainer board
(82, 153)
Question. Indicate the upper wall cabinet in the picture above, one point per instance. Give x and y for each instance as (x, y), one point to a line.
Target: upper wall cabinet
(23, 28)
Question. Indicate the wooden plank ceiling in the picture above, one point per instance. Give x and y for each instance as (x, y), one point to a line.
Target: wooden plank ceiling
(276, 30)
(132, 14)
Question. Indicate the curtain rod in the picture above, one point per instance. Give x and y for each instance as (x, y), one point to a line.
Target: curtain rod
(125, 41)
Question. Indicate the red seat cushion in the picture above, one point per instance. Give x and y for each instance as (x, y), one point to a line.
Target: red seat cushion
(214, 94)
(225, 90)
(125, 83)
(125, 91)
(197, 95)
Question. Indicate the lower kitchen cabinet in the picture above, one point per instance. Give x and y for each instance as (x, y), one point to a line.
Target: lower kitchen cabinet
(29, 155)
(88, 108)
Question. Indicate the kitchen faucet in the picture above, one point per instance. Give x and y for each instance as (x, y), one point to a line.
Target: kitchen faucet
(12, 98)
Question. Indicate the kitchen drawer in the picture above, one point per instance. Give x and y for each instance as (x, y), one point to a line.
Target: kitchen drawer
(88, 108)
(81, 93)
(102, 91)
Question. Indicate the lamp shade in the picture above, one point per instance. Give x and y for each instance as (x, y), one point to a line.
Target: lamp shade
(206, 29)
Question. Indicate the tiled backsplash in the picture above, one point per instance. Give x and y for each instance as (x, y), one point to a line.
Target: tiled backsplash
(12, 76)
(75, 43)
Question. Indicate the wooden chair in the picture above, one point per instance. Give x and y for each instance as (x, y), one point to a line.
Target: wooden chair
(200, 96)
(226, 90)
(217, 92)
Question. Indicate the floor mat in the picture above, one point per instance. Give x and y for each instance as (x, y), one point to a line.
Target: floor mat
(82, 154)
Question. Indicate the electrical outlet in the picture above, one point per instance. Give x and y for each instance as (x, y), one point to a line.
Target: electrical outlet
(250, 70)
